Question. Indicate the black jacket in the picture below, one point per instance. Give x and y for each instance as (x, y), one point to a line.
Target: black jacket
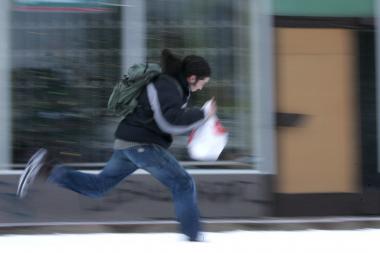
(161, 113)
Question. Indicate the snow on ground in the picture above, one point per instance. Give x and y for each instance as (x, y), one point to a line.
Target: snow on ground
(310, 241)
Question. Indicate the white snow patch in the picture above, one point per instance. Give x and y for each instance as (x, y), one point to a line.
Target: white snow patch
(310, 241)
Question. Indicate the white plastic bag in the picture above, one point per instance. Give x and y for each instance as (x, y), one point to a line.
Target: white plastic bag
(208, 141)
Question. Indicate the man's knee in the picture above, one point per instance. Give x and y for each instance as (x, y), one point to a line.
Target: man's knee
(186, 183)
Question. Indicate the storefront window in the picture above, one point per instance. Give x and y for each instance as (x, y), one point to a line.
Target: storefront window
(67, 55)
(219, 31)
(65, 59)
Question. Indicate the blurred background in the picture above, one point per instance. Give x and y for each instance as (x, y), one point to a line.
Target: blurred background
(295, 82)
(66, 56)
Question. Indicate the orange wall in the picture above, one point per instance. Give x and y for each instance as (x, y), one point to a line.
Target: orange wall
(316, 77)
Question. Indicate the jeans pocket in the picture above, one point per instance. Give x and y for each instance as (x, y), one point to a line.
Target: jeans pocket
(145, 155)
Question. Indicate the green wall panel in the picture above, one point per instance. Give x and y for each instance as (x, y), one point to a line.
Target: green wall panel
(324, 8)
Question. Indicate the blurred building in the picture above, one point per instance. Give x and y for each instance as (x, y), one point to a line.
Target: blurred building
(67, 55)
(326, 100)
(295, 82)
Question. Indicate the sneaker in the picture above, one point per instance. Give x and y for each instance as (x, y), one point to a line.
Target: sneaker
(32, 168)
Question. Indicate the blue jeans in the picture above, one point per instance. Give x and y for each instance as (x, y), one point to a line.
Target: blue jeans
(152, 158)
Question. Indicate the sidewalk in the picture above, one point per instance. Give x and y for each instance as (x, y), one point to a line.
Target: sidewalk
(210, 225)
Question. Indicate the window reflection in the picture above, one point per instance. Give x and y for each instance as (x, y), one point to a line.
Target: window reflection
(65, 60)
(65, 63)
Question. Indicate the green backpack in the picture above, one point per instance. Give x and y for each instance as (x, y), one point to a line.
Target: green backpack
(123, 99)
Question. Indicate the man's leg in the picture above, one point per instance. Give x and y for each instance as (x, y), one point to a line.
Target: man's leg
(94, 185)
(164, 167)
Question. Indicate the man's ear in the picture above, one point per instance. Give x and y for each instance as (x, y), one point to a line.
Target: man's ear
(191, 79)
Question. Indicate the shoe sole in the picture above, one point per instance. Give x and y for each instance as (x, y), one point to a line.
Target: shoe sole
(31, 170)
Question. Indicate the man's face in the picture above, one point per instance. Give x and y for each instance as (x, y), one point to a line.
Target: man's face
(197, 84)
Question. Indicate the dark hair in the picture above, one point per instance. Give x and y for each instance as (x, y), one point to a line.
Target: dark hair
(170, 63)
(196, 65)
(173, 65)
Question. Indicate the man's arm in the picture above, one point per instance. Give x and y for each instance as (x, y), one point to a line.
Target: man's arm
(166, 103)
